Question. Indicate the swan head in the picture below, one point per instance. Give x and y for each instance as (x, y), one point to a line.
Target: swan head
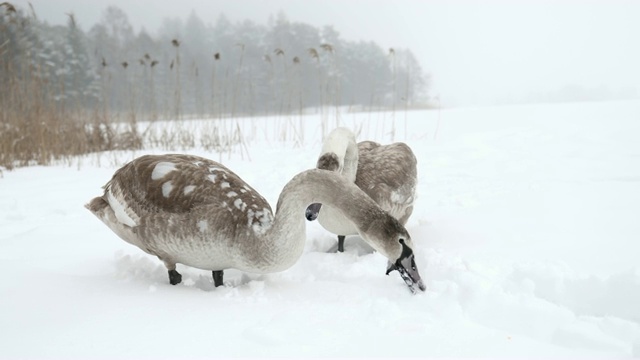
(406, 267)
(312, 211)
(329, 161)
(395, 243)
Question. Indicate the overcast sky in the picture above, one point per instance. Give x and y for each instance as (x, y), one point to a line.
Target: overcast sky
(477, 52)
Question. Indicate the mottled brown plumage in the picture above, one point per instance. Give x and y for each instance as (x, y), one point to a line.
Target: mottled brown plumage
(388, 174)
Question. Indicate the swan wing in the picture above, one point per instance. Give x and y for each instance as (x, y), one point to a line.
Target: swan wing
(179, 184)
(387, 173)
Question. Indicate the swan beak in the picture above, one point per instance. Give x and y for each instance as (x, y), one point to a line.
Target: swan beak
(408, 272)
(312, 211)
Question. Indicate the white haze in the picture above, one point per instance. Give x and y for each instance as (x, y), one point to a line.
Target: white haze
(477, 52)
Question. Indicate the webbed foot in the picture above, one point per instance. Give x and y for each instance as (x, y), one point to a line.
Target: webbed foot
(174, 277)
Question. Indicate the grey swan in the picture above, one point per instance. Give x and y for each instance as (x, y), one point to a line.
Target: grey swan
(194, 211)
(386, 173)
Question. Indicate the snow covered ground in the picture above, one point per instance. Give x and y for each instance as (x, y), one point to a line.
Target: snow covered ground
(527, 231)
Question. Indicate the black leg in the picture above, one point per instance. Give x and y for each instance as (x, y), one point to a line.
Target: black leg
(174, 277)
(341, 243)
(217, 277)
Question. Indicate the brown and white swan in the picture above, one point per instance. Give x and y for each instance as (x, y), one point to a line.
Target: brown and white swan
(194, 211)
(386, 173)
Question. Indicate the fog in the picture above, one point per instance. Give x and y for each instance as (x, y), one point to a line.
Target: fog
(476, 52)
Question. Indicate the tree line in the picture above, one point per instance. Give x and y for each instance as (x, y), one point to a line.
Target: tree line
(192, 69)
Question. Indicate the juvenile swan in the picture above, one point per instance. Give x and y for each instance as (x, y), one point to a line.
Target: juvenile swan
(194, 211)
(387, 173)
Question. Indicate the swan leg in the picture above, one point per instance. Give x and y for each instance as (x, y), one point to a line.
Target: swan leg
(217, 277)
(339, 247)
(341, 243)
(174, 277)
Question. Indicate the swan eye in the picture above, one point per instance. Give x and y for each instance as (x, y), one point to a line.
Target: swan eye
(401, 240)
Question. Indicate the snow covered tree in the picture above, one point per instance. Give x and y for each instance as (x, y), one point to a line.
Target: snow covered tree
(77, 75)
(411, 81)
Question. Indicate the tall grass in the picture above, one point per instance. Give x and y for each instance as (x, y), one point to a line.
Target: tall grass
(31, 122)
(394, 94)
(38, 124)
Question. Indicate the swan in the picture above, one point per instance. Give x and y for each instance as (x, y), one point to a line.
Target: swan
(387, 173)
(194, 211)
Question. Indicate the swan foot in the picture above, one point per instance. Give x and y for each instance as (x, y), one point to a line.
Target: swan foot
(174, 277)
(217, 277)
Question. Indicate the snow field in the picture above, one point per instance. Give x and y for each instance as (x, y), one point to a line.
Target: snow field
(525, 226)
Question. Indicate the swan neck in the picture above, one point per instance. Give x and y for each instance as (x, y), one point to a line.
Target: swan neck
(281, 245)
(342, 142)
(327, 188)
